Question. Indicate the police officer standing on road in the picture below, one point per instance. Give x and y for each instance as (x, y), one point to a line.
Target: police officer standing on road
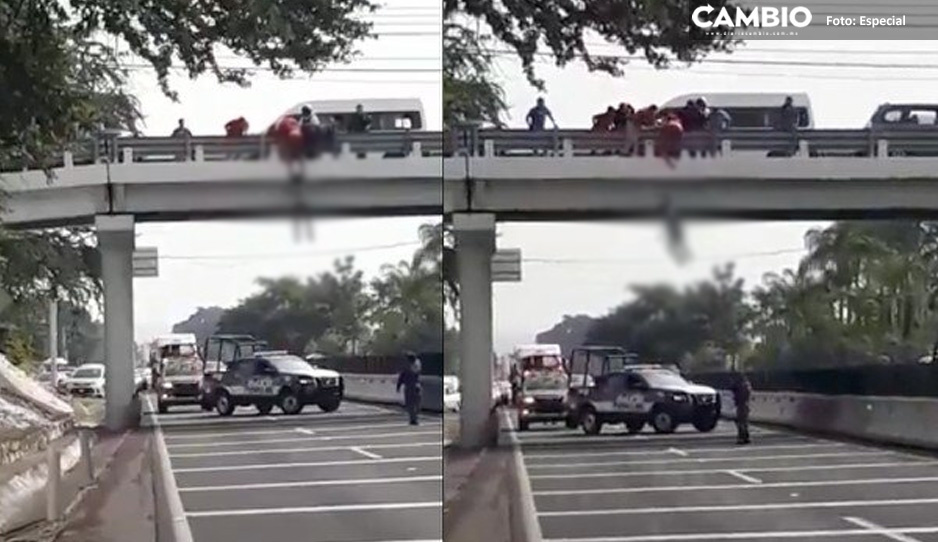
(742, 390)
(409, 379)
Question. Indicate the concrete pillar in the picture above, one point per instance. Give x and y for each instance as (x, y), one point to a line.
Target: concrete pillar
(475, 244)
(116, 245)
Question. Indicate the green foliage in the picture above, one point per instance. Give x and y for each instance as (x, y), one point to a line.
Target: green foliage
(867, 292)
(659, 30)
(19, 350)
(61, 78)
(338, 313)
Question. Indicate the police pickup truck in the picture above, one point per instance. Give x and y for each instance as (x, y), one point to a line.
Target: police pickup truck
(278, 379)
(641, 394)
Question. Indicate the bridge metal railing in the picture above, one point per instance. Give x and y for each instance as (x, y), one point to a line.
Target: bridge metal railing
(473, 140)
(52, 458)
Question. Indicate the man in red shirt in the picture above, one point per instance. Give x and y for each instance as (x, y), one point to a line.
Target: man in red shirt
(670, 139)
(237, 127)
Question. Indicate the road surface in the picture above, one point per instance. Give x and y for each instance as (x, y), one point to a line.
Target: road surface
(691, 486)
(359, 474)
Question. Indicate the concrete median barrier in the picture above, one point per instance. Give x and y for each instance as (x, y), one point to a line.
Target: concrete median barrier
(382, 388)
(892, 420)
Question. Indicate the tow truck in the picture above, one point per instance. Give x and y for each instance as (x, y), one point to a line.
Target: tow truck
(614, 388)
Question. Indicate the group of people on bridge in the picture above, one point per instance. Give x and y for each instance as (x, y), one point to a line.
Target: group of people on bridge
(670, 124)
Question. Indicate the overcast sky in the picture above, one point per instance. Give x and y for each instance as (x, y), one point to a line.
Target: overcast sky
(555, 283)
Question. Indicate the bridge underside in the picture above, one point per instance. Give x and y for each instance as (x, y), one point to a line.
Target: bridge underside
(78, 205)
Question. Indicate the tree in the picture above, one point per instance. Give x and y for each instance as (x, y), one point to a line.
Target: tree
(202, 323)
(660, 30)
(59, 67)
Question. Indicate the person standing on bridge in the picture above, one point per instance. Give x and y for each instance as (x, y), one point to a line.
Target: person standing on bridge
(409, 379)
(742, 390)
(538, 115)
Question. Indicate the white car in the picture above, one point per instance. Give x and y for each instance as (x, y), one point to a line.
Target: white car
(87, 381)
(451, 395)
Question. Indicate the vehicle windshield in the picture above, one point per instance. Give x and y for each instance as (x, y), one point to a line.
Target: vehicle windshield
(87, 372)
(182, 366)
(290, 364)
(535, 363)
(547, 381)
(177, 350)
(662, 378)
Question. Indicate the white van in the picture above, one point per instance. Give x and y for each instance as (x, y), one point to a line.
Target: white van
(451, 395)
(751, 110)
(387, 114)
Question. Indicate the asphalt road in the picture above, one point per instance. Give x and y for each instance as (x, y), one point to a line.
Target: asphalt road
(692, 486)
(360, 474)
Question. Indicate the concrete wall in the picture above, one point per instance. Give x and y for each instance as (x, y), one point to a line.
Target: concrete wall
(893, 420)
(381, 389)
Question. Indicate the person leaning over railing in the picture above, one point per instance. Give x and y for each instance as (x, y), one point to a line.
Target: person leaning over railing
(181, 132)
(234, 130)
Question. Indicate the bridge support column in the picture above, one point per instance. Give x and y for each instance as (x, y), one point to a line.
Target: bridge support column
(475, 244)
(116, 246)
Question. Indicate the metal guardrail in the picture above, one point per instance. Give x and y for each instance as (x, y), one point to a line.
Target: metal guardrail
(867, 142)
(52, 457)
(473, 141)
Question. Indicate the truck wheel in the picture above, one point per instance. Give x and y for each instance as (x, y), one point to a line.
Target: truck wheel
(264, 408)
(634, 427)
(290, 403)
(223, 404)
(590, 421)
(705, 424)
(570, 421)
(329, 405)
(662, 421)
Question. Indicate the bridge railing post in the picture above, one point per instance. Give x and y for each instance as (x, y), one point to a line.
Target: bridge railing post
(488, 148)
(199, 153)
(882, 147)
(803, 150)
(128, 155)
(68, 159)
(567, 148)
(726, 147)
(649, 148)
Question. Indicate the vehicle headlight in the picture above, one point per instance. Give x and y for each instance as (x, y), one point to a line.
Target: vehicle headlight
(529, 400)
(305, 381)
(167, 385)
(679, 397)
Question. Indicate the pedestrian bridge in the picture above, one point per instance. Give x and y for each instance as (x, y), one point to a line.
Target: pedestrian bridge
(575, 175)
(163, 179)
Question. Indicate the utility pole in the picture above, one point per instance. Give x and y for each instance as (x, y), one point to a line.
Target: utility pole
(54, 338)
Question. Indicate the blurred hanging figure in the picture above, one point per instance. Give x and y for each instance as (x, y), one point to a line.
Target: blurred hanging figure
(670, 140)
(291, 145)
(674, 229)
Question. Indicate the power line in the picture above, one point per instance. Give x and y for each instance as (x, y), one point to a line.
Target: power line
(324, 70)
(285, 255)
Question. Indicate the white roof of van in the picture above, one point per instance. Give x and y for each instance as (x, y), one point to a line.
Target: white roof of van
(347, 106)
(175, 338)
(741, 99)
(525, 350)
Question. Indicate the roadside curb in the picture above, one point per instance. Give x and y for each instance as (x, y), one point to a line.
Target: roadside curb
(167, 494)
(525, 526)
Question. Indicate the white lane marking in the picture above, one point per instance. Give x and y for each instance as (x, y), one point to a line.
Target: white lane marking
(673, 472)
(743, 536)
(215, 445)
(703, 450)
(437, 443)
(314, 509)
(735, 507)
(675, 451)
(262, 466)
(365, 453)
(706, 460)
(273, 418)
(284, 431)
(744, 477)
(879, 529)
(314, 483)
(754, 484)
